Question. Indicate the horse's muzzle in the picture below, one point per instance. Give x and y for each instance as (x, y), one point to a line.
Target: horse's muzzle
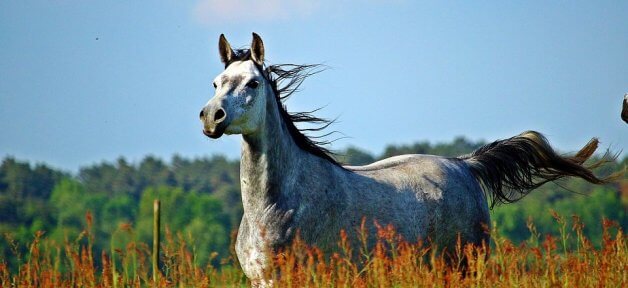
(214, 121)
(215, 133)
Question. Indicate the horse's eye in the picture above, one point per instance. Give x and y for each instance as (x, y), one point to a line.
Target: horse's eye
(215, 86)
(252, 84)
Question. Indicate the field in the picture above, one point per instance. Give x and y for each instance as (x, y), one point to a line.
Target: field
(94, 229)
(568, 259)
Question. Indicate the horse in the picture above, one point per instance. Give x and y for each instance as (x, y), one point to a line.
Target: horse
(624, 109)
(290, 182)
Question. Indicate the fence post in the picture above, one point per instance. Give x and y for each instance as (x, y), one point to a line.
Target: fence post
(156, 222)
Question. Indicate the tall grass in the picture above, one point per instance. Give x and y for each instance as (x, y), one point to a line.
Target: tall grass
(568, 260)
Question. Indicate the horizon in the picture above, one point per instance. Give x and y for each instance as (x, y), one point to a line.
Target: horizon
(168, 160)
(86, 83)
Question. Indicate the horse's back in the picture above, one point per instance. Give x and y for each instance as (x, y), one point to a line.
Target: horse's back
(394, 161)
(428, 174)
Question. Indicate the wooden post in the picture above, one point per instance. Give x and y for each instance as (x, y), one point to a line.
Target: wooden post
(156, 225)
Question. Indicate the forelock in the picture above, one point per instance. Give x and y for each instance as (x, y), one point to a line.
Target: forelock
(239, 69)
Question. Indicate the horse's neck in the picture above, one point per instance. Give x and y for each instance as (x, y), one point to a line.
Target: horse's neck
(271, 162)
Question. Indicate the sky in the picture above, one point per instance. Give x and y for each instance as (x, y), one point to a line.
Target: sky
(88, 81)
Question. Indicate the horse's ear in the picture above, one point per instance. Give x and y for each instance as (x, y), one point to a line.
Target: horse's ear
(226, 53)
(257, 50)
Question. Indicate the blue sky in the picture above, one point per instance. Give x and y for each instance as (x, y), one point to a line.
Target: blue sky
(86, 81)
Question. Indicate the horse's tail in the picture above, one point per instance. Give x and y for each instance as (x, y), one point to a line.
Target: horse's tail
(508, 169)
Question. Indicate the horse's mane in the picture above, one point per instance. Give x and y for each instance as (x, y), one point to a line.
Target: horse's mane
(285, 79)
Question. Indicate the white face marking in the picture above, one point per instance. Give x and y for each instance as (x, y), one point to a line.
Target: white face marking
(243, 105)
(236, 70)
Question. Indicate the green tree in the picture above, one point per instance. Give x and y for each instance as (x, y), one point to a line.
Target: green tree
(197, 217)
(355, 156)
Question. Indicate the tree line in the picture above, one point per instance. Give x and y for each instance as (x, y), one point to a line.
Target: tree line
(201, 200)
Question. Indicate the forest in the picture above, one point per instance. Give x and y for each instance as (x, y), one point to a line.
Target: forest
(201, 200)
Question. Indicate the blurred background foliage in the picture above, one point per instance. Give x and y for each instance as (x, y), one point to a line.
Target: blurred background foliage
(201, 199)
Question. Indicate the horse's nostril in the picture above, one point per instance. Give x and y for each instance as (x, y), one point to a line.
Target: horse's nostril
(220, 115)
(202, 113)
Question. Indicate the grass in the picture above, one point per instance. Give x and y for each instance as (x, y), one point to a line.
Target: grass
(566, 260)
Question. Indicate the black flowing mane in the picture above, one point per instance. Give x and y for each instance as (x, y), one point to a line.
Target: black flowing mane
(285, 79)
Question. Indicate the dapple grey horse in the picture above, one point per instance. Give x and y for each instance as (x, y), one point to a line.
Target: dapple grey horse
(290, 182)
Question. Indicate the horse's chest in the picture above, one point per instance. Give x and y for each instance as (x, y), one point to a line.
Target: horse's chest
(259, 235)
(250, 250)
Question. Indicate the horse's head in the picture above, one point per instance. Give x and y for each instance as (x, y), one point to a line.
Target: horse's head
(241, 89)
